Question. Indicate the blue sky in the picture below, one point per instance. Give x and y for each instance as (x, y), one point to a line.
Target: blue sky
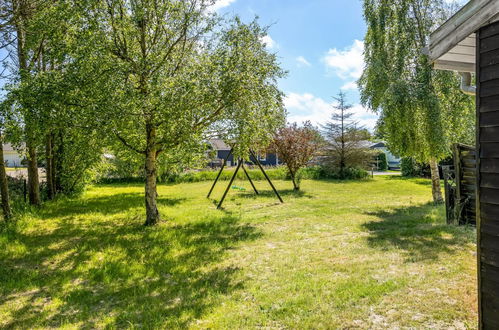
(319, 42)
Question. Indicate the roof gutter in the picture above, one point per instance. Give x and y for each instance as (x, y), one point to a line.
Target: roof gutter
(466, 86)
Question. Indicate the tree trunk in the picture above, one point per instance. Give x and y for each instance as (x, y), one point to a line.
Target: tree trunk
(4, 186)
(435, 182)
(58, 160)
(33, 181)
(152, 214)
(49, 167)
(20, 9)
(296, 186)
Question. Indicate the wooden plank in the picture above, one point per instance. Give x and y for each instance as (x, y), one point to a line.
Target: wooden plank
(489, 211)
(469, 163)
(464, 49)
(468, 153)
(489, 44)
(453, 66)
(492, 272)
(454, 34)
(470, 188)
(490, 180)
(478, 196)
(489, 59)
(489, 165)
(489, 257)
(490, 226)
(489, 134)
(489, 195)
(489, 149)
(457, 57)
(489, 103)
(490, 87)
(490, 30)
(489, 119)
(492, 72)
(490, 286)
(465, 22)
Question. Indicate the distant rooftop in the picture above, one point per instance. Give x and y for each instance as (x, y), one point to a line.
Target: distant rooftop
(218, 144)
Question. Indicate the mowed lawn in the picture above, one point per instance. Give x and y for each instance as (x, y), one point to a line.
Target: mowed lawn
(368, 254)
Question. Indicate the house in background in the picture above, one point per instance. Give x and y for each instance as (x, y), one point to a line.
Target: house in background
(11, 156)
(222, 149)
(393, 161)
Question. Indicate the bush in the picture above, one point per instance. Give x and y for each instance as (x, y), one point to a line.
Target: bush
(349, 173)
(382, 162)
(274, 173)
(411, 168)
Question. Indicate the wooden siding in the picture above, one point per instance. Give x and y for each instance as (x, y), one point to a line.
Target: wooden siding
(487, 69)
(451, 45)
(465, 178)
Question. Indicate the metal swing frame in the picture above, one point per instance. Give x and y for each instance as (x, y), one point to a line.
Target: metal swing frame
(240, 164)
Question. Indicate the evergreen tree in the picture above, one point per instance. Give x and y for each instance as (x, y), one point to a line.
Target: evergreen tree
(345, 144)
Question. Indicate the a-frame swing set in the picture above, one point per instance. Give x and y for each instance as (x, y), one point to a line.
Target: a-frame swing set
(240, 164)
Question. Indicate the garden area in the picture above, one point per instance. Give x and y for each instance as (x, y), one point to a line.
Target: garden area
(124, 113)
(372, 253)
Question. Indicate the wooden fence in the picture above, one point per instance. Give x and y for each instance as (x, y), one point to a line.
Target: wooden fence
(460, 186)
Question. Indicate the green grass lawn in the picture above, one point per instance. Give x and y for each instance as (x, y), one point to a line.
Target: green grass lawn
(369, 254)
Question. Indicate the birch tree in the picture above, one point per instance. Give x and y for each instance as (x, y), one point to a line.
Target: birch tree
(422, 111)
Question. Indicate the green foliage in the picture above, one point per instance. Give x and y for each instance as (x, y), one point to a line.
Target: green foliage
(344, 140)
(276, 173)
(412, 168)
(422, 111)
(347, 173)
(382, 162)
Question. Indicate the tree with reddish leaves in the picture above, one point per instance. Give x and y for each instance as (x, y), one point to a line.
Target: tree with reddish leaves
(296, 146)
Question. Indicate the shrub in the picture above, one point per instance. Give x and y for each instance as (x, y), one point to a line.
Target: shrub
(382, 162)
(275, 173)
(411, 168)
(349, 173)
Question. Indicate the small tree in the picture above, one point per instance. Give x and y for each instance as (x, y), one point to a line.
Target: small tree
(296, 146)
(161, 73)
(382, 162)
(344, 139)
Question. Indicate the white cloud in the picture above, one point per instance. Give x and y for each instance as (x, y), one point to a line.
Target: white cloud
(347, 63)
(302, 61)
(351, 85)
(269, 42)
(303, 107)
(219, 4)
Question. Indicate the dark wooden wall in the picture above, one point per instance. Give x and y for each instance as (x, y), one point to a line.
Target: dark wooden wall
(488, 174)
(465, 178)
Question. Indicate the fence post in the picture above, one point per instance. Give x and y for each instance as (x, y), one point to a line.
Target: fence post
(457, 174)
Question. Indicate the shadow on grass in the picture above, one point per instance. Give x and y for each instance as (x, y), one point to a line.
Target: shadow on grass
(105, 205)
(420, 231)
(270, 193)
(421, 181)
(161, 277)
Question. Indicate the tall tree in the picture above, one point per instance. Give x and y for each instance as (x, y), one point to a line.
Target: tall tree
(167, 70)
(296, 146)
(344, 138)
(422, 111)
(24, 46)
